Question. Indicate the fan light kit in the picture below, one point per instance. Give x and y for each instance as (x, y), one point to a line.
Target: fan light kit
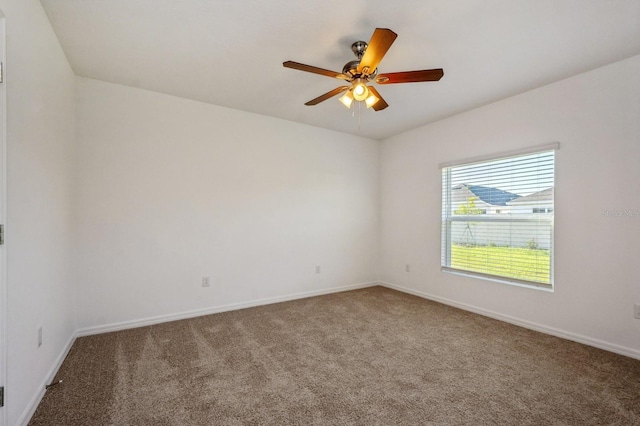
(359, 92)
(365, 70)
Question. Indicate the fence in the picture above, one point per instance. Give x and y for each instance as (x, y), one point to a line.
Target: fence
(532, 231)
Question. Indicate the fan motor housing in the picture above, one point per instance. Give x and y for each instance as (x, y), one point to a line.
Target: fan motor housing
(351, 68)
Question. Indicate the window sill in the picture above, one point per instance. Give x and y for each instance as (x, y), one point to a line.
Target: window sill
(510, 281)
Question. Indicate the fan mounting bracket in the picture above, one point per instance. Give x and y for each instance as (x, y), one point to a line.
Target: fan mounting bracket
(358, 48)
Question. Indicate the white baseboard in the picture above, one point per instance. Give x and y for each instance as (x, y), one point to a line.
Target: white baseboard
(586, 340)
(35, 401)
(215, 310)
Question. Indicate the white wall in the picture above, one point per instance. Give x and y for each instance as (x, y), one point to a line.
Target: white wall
(595, 117)
(40, 139)
(171, 190)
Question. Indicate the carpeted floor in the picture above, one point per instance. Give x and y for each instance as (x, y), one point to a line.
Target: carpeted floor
(371, 356)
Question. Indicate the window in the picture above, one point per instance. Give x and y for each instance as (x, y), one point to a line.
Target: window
(497, 217)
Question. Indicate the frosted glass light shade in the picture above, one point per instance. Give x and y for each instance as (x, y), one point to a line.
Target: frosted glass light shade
(346, 99)
(371, 100)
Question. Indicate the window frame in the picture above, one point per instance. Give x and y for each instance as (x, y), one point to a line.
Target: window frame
(446, 220)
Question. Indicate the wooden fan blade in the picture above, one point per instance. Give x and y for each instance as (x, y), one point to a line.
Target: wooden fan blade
(380, 42)
(315, 70)
(410, 76)
(327, 95)
(381, 104)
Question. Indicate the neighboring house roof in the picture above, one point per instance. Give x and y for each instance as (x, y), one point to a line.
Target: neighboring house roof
(489, 195)
(536, 197)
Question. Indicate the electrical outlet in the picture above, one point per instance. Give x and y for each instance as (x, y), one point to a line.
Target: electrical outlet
(206, 281)
(317, 269)
(636, 311)
(407, 268)
(39, 336)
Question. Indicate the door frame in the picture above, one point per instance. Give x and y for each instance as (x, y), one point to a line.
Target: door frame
(4, 305)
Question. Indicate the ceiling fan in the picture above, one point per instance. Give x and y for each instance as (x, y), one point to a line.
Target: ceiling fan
(365, 70)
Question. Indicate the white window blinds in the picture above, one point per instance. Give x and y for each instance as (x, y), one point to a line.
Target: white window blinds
(497, 217)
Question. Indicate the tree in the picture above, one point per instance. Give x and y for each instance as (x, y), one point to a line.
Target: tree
(467, 209)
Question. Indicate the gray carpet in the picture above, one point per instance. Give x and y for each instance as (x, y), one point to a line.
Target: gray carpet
(371, 356)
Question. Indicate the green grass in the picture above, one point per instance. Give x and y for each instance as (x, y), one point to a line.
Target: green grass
(520, 263)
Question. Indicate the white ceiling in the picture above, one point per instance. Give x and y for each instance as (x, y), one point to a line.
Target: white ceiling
(230, 53)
